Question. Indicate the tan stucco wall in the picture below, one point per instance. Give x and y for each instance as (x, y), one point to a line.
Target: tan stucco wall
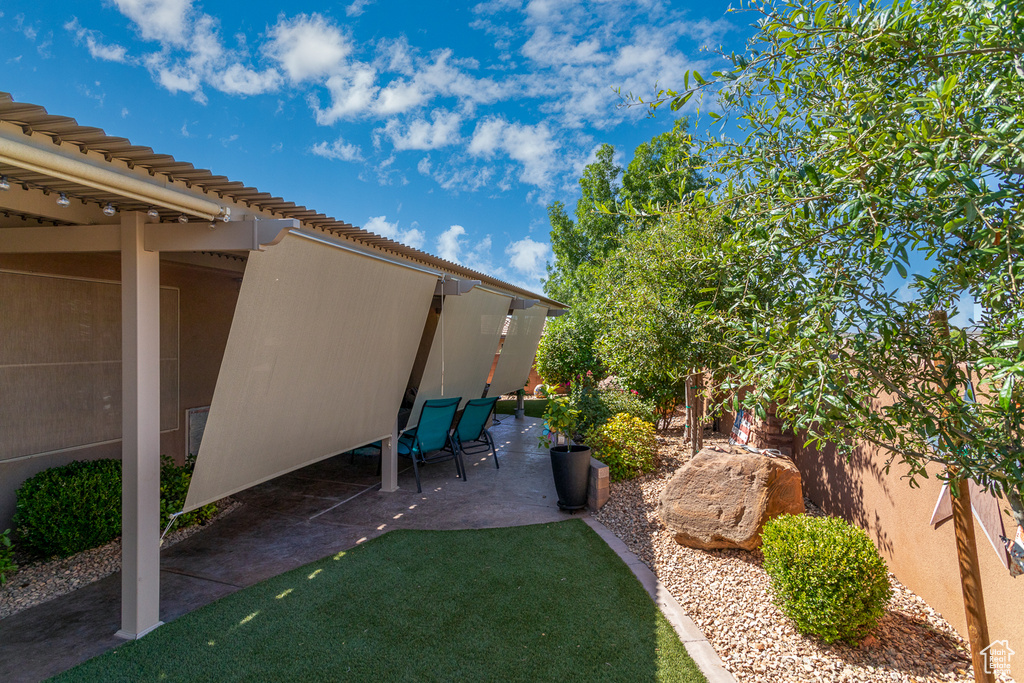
(206, 306)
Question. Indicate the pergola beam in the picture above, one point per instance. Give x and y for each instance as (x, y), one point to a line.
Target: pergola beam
(33, 202)
(218, 236)
(234, 236)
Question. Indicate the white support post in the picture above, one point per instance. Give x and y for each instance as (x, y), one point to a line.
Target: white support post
(389, 461)
(140, 446)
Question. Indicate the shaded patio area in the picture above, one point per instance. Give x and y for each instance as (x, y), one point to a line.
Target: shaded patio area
(287, 522)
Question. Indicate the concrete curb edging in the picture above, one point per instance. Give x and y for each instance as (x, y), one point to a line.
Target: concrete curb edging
(697, 646)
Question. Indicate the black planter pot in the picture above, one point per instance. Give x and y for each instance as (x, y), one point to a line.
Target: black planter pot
(571, 467)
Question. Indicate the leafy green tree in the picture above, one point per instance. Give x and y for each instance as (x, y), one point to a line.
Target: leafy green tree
(658, 326)
(592, 236)
(877, 134)
(662, 172)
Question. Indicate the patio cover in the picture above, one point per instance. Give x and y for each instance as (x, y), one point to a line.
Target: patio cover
(518, 351)
(317, 361)
(463, 349)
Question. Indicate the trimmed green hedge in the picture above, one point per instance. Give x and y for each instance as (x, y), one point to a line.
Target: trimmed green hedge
(65, 510)
(827, 576)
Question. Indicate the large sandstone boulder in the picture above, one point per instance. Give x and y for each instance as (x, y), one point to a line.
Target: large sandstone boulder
(722, 498)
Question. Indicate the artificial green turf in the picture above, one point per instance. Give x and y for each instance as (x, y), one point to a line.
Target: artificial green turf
(534, 408)
(544, 602)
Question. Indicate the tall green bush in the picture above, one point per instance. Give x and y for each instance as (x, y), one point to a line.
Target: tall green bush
(626, 444)
(7, 565)
(827, 576)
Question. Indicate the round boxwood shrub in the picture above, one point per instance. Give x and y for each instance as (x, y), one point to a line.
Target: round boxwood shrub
(626, 444)
(827, 576)
(68, 509)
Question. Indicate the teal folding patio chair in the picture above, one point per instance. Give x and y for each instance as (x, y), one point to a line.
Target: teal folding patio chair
(431, 440)
(471, 435)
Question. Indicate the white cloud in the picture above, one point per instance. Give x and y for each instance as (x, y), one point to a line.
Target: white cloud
(529, 257)
(532, 146)
(411, 237)
(241, 80)
(93, 43)
(442, 131)
(451, 247)
(307, 46)
(338, 150)
(448, 246)
(351, 95)
(162, 20)
(357, 7)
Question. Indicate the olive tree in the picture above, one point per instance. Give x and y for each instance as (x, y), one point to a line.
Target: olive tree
(879, 138)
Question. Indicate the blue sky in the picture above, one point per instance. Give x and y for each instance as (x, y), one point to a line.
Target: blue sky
(449, 126)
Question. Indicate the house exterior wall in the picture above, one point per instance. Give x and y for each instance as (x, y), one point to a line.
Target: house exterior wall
(207, 298)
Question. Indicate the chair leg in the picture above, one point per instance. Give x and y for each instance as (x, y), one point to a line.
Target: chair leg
(494, 449)
(416, 471)
(460, 466)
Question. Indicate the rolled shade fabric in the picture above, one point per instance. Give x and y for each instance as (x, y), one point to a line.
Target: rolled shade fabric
(463, 349)
(317, 361)
(518, 351)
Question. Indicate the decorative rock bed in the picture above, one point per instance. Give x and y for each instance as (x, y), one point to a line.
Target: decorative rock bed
(38, 581)
(728, 595)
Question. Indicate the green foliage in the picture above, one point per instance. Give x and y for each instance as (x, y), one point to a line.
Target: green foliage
(662, 172)
(658, 327)
(827, 576)
(68, 509)
(585, 398)
(626, 444)
(174, 481)
(567, 349)
(65, 510)
(878, 139)
(596, 406)
(7, 565)
(559, 418)
(630, 402)
(592, 236)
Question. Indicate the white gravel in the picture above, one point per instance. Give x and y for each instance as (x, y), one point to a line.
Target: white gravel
(38, 581)
(728, 595)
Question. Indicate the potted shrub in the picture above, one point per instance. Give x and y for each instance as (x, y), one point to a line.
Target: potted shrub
(570, 463)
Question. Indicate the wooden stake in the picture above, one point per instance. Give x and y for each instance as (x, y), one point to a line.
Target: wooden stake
(970, 579)
(966, 547)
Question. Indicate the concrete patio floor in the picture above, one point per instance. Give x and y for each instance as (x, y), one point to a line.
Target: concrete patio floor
(285, 523)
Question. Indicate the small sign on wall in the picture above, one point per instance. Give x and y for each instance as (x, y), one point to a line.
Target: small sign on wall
(195, 423)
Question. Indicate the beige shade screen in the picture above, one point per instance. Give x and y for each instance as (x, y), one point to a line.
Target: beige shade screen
(518, 351)
(463, 349)
(320, 350)
(60, 363)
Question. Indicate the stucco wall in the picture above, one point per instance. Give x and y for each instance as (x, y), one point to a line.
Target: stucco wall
(922, 557)
(206, 306)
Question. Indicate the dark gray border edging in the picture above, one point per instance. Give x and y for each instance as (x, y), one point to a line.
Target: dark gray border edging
(697, 646)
